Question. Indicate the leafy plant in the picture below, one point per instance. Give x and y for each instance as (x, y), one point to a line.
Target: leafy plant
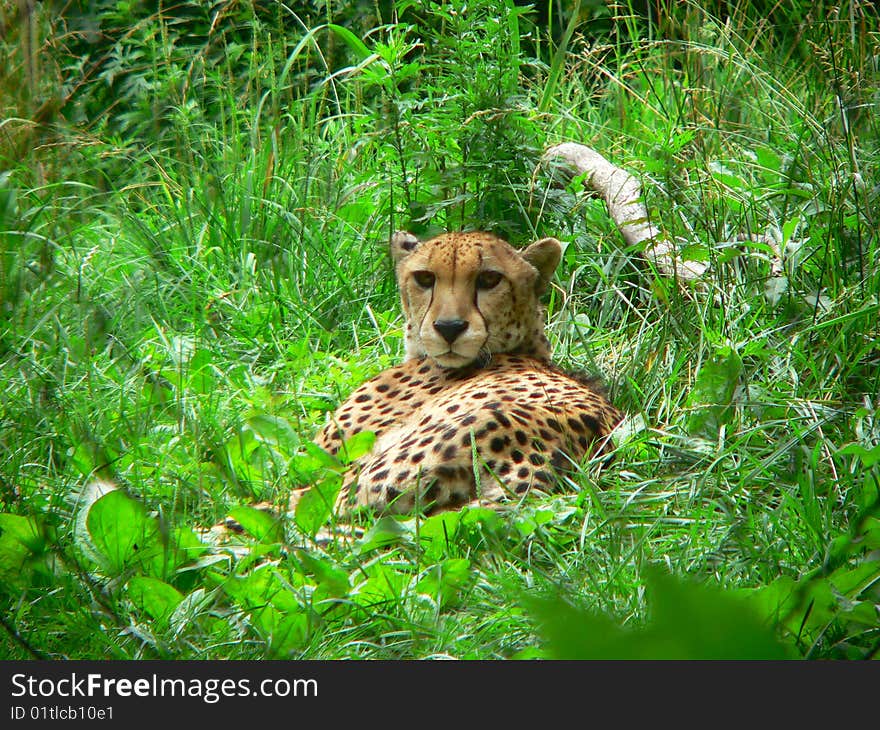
(687, 622)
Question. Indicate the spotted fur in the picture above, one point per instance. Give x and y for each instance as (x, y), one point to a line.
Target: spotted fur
(477, 410)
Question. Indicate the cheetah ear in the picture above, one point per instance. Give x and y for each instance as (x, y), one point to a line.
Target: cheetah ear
(403, 244)
(544, 255)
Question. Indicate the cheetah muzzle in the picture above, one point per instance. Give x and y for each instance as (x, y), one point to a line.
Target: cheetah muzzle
(477, 411)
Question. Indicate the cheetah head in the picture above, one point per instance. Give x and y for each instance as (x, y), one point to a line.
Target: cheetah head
(466, 296)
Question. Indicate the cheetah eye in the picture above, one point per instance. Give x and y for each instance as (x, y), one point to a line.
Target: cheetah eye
(424, 279)
(488, 279)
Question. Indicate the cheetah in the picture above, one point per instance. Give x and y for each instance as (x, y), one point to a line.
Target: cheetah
(477, 412)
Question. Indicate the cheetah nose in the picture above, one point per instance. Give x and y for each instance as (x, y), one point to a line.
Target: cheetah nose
(450, 328)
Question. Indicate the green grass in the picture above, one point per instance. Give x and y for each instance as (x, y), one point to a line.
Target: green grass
(192, 274)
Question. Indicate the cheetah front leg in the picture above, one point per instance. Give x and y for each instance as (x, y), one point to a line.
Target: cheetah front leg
(436, 472)
(424, 488)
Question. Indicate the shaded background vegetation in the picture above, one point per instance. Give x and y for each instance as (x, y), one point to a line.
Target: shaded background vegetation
(194, 202)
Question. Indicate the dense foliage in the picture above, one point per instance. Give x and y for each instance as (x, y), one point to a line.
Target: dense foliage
(194, 203)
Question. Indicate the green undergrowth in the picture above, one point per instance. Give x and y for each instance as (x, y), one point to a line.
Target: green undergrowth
(194, 208)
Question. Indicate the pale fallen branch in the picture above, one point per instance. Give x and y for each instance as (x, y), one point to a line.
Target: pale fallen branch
(623, 197)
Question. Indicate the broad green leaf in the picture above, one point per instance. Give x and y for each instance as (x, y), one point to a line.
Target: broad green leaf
(688, 621)
(573, 633)
(385, 532)
(270, 603)
(713, 391)
(263, 586)
(13, 557)
(351, 40)
(384, 585)
(284, 631)
(22, 547)
(240, 451)
(23, 530)
(444, 581)
(123, 533)
(695, 252)
(313, 464)
(869, 539)
(768, 158)
(187, 547)
(438, 534)
(154, 597)
(316, 505)
(868, 457)
(326, 573)
(869, 499)
(274, 430)
(775, 601)
(727, 177)
(788, 229)
(449, 534)
(320, 456)
(706, 621)
(332, 581)
(357, 446)
(528, 523)
(478, 519)
(200, 376)
(851, 581)
(198, 602)
(266, 527)
(806, 609)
